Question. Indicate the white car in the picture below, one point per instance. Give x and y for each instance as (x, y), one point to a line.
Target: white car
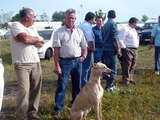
(46, 52)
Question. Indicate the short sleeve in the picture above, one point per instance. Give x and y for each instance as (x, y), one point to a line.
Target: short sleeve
(56, 40)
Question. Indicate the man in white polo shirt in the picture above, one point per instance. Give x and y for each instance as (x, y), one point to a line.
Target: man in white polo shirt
(70, 50)
(129, 42)
(24, 40)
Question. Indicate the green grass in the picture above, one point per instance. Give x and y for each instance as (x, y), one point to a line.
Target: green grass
(140, 102)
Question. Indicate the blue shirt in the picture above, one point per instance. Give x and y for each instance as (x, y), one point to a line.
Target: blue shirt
(86, 27)
(98, 37)
(110, 35)
(156, 33)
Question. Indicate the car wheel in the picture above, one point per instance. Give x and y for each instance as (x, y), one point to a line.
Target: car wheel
(48, 54)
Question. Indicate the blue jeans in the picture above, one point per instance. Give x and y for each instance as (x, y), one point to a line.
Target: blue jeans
(110, 60)
(98, 55)
(157, 58)
(71, 67)
(86, 68)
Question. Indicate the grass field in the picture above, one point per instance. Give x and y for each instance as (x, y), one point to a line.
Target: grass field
(140, 102)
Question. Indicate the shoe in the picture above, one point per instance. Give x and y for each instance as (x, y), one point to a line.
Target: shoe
(57, 115)
(132, 82)
(156, 72)
(111, 89)
(34, 117)
(126, 82)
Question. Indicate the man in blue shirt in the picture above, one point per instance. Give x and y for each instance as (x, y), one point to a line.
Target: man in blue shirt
(155, 36)
(86, 27)
(111, 48)
(97, 30)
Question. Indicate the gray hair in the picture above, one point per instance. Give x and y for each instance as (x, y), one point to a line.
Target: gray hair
(24, 12)
(69, 11)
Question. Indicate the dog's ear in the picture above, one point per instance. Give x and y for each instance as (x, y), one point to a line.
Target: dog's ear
(94, 65)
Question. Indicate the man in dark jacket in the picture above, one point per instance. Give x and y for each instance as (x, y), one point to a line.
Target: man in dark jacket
(111, 48)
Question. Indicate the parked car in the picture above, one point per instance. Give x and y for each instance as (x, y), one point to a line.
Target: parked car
(2, 33)
(145, 34)
(7, 34)
(46, 52)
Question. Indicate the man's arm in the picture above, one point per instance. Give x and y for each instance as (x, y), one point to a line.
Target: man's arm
(56, 57)
(118, 49)
(151, 42)
(27, 39)
(114, 32)
(84, 54)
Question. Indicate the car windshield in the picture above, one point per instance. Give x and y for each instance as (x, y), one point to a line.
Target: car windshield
(46, 34)
(149, 25)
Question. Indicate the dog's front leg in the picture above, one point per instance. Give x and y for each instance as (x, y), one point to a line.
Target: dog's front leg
(100, 109)
(97, 110)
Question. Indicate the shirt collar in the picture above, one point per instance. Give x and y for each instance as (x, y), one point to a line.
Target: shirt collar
(69, 29)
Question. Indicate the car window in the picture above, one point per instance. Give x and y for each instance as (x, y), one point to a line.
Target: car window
(149, 25)
(46, 34)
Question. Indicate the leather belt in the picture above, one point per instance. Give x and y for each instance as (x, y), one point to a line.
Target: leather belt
(132, 48)
(72, 58)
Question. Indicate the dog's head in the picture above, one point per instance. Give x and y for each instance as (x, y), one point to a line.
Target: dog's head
(99, 68)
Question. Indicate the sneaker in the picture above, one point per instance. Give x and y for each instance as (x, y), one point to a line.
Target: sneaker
(156, 72)
(111, 89)
(34, 117)
(57, 115)
(132, 82)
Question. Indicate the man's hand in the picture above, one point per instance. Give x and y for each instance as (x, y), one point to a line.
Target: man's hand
(41, 38)
(58, 70)
(91, 46)
(119, 52)
(40, 42)
(82, 58)
(150, 46)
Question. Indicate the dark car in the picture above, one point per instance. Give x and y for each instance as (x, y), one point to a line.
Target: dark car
(145, 34)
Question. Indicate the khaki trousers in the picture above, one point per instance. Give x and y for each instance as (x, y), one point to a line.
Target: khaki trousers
(129, 62)
(29, 78)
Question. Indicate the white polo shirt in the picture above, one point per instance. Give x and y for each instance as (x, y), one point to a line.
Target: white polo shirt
(128, 37)
(21, 52)
(70, 44)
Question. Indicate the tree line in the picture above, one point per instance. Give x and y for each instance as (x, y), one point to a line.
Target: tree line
(56, 16)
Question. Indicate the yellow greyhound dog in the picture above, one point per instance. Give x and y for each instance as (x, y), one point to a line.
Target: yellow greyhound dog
(90, 95)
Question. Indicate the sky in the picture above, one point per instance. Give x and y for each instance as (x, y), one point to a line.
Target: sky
(124, 8)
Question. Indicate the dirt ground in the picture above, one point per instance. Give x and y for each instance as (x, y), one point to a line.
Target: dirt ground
(9, 99)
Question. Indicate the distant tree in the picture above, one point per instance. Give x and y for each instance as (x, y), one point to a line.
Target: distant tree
(44, 17)
(6, 17)
(144, 18)
(100, 13)
(58, 16)
(15, 18)
(5, 25)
